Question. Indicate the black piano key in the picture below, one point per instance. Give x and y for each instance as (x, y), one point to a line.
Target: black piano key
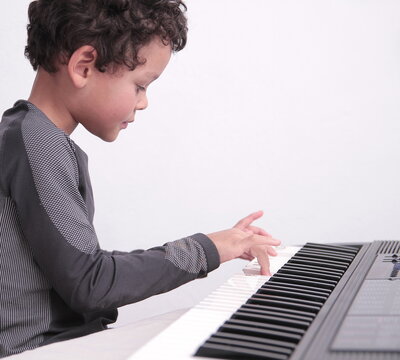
(295, 281)
(339, 248)
(324, 257)
(327, 250)
(329, 283)
(271, 319)
(310, 273)
(314, 268)
(256, 339)
(283, 304)
(247, 344)
(301, 287)
(258, 331)
(320, 264)
(297, 259)
(328, 254)
(268, 326)
(274, 312)
(291, 313)
(287, 299)
(293, 287)
(233, 352)
(294, 294)
(325, 284)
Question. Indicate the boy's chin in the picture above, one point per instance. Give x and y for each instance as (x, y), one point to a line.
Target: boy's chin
(107, 137)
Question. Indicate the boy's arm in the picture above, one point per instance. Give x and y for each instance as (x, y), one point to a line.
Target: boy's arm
(43, 178)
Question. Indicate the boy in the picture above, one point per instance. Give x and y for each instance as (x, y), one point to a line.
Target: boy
(94, 61)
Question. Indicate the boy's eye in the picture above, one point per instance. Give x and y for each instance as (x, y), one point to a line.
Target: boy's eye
(140, 88)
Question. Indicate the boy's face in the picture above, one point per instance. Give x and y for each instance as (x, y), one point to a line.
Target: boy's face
(110, 101)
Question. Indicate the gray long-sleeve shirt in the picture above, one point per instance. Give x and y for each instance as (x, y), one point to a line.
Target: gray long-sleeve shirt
(56, 283)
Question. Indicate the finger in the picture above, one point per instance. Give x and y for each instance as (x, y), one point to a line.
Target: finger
(246, 257)
(271, 251)
(263, 260)
(258, 231)
(245, 222)
(260, 240)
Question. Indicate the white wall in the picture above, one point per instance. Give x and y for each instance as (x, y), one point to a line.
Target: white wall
(290, 106)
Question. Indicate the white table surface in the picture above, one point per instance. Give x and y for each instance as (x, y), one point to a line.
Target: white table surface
(112, 344)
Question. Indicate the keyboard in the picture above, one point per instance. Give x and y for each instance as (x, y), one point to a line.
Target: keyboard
(322, 302)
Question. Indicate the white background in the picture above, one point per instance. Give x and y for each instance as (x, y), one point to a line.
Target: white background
(289, 106)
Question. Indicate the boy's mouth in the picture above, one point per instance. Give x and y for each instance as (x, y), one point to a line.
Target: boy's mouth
(125, 124)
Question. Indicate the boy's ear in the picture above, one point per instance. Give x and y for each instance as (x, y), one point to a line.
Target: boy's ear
(81, 65)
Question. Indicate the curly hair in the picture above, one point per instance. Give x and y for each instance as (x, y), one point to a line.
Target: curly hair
(116, 29)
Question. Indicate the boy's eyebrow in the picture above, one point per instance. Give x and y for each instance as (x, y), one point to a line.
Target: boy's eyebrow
(152, 76)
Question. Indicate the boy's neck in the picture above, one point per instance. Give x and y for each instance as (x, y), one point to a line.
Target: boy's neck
(50, 95)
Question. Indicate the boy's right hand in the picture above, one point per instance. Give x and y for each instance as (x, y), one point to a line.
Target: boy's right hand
(246, 241)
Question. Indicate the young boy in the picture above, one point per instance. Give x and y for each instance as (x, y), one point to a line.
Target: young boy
(94, 61)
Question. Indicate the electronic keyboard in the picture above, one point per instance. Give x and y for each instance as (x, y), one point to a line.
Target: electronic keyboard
(322, 302)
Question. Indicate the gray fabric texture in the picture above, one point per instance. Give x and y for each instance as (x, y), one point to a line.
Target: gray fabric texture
(56, 283)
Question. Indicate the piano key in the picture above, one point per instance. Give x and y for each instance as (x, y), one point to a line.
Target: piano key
(261, 310)
(320, 255)
(328, 254)
(304, 280)
(279, 310)
(227, 352)
(323, 264)
(228, 326)
(290, 284)
(289, 299)
(260, 325)
(283, 304)
(293, 287)
(256, 339)
(272, 319)
(315, 274)
(293, 294)
(309, 276)
(248, 344)
(313, 269)
(338, 248)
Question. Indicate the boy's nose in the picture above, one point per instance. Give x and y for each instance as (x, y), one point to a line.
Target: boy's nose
(142, 103)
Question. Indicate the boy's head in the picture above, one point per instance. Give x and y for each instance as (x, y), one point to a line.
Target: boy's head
(116, 29)
(96, 58)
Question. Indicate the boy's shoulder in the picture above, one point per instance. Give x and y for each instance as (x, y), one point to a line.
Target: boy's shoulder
(31, 145)
(26, 133)
(14, 116)
(25, 121)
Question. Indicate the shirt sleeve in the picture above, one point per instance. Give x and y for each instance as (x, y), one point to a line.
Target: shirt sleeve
(42, 177)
